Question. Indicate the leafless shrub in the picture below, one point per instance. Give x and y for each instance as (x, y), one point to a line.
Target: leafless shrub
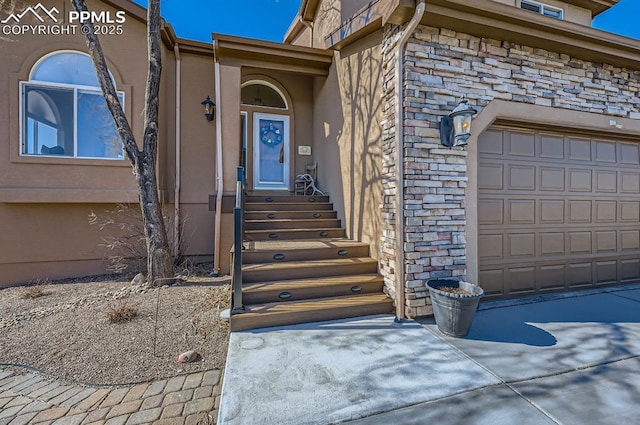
(36, 289)
(121, 312)
(125, 242)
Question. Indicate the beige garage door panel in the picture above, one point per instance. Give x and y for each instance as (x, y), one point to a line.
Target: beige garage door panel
(556, 211)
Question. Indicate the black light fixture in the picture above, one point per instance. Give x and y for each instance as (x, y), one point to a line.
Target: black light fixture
(455, 128)
(209, 108)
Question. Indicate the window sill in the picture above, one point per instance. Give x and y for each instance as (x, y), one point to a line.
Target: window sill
(55, 160)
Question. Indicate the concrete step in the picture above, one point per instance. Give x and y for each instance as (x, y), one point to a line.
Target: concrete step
(306, 311)
(273, 251)
(319, 287)
(282, 215)
(288, 223)
(286, 234)
(255, 273)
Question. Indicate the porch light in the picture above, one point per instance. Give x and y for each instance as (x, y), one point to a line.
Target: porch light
(455, 128)
(209, 108)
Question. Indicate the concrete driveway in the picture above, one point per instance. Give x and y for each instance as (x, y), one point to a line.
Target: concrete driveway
(568, 359)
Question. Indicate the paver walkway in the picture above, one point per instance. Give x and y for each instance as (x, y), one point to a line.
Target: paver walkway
(31, 398)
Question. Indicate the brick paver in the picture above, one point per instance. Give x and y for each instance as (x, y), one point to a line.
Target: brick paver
(124, 409)
(115, 397)
(23, 418)
(135, 393)
(192, 381)
(144, 416)
(30, 398)
(173, 410)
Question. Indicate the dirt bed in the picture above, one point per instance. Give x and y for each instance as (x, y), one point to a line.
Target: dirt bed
(65, 331)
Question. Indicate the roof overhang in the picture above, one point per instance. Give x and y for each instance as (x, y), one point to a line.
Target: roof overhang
(490, 19)
(306, 13)
(270, 55)
(595, 6)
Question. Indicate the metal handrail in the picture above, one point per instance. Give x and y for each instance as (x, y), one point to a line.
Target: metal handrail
(238, 239)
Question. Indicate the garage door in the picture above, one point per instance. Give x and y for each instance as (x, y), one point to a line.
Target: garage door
(556, 211)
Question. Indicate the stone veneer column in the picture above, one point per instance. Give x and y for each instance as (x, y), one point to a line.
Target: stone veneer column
(388, 255)
(440, 67)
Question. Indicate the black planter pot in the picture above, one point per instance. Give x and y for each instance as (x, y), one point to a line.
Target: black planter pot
(454, 312)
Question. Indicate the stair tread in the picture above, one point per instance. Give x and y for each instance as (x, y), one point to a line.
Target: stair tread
(284, 307)
(288, 220)
(292, 230)
(289, 211)
(297, 244)
(259, 267)
(313, 282)
(287, 203)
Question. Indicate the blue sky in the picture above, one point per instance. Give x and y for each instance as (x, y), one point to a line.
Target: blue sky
(269, 19)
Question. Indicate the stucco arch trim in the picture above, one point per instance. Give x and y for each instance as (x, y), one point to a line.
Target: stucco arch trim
(37, 56)
(272, 83)
(530, 116)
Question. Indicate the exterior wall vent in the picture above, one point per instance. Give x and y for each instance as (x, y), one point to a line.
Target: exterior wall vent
(543, 9)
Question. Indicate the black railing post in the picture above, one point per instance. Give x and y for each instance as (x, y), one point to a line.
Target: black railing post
(238, 241)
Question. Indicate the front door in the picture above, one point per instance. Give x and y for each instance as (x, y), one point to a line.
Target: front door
(270, 152)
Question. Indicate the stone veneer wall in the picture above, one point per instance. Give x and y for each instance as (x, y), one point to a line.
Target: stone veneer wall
(440, 66)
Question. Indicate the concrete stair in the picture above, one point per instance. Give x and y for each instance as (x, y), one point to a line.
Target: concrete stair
(298, 267)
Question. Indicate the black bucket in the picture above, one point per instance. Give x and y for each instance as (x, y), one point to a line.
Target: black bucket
(454, 312)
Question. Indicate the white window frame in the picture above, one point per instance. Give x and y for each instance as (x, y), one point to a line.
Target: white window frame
(543, 7)
(75, 88)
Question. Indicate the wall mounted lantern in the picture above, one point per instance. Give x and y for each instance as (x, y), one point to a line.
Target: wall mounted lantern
(209, 108)
(455, 128)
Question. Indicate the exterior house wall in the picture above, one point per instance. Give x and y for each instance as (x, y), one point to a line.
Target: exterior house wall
(346, 129)
(347, 138)
(198, 156)
(350, 7)
(440, 67)
(48, 200)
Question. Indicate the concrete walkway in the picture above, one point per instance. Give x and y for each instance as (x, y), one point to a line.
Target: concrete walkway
(30, 398)
(563, 359)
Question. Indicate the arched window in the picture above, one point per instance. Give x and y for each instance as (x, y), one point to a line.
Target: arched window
(261, 93)
(64, 112)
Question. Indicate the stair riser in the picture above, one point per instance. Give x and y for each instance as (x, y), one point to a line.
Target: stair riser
(283, 319)
(308, 206)
(260, 235)
(251, 276)
(296, 224)
(257, 297)
(292, 215)
(284, 198)
(304, 254)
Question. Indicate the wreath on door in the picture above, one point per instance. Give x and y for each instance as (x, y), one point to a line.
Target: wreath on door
(271, 135)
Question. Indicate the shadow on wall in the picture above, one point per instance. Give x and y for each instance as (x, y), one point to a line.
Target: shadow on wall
(360, 153)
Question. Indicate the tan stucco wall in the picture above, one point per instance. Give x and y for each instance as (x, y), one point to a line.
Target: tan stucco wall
(349, 7)
(347, 113)
(346, 125)
(198, 153)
